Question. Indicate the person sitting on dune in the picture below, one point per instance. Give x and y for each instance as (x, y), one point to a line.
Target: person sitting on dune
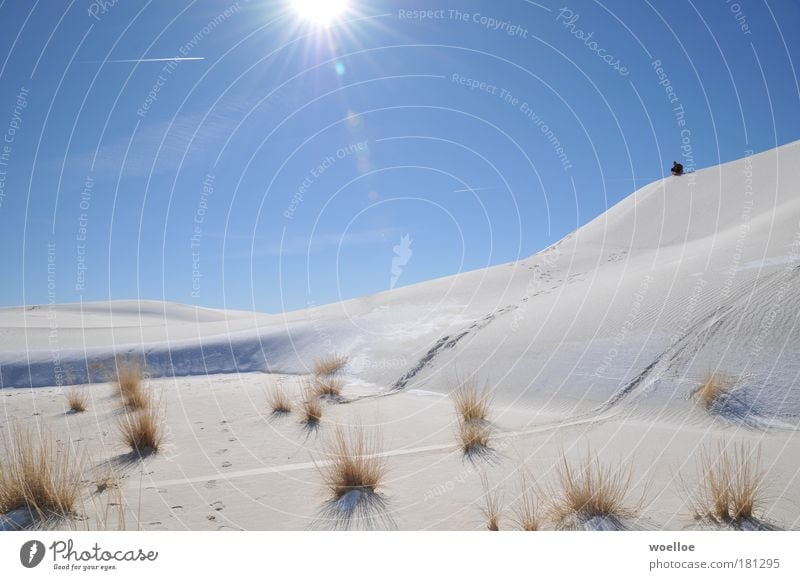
(677, 168)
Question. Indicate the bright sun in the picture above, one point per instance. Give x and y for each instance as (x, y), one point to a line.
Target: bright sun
(320, 11)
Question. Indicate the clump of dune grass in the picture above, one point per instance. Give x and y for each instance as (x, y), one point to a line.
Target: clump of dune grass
(330, 365)
(142, 430)
(311, 410)
(37, 476)
(279, 402)
(473, 438)
(472, 402)
(473, 405)
(588, 491)
(731, 489)
(354, 474)
(355, 463)
(328, 387)
(713, 388)
(129, 385)
(492, 507)
(527, 509)
(77, 400)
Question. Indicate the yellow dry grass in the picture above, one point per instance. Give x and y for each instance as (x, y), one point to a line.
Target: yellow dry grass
(77, 400)
(354, 462)
(492, 507)
(36, 475)
(473, 437)
(472, 402)
(731, 488)
(330, 365)
(142, 430)
(328, 387)
(279, 401)
(588, 489)
(311, 409)
(527, 509)
(129, 385)
(713, 387)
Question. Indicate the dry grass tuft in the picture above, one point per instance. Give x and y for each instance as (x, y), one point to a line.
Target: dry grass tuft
(354, 474)
(492, 508)
(527, 511)
(77, 400)
(142, 430)
(279, 401)
(129, 385)
(472, 402)
(330, 365)
(713, 388)
(107, 481)
(328, 387)
(473, 438)
(590, 490)
(311, 410)
(37, 476)
(355, 463)
(732, 485)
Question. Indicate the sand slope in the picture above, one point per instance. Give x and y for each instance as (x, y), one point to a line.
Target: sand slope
(685, 275)
(597, 342)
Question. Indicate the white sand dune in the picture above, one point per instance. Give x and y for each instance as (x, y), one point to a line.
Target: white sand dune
(596, 341)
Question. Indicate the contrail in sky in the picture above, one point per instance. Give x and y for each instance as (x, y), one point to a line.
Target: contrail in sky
(145, 59)
(472, 189)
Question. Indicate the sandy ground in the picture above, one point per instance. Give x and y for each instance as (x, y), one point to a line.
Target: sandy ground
(227, 464)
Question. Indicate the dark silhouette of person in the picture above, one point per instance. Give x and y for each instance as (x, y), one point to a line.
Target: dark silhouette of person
(677, 168)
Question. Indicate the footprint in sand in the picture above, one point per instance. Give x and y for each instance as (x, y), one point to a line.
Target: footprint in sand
(218, 506)
(221, 451)
(226, 464)
(211, 484)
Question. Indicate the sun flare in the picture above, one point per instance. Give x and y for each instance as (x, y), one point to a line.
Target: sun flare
(321, 12)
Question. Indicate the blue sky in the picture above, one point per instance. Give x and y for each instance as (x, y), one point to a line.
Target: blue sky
(290, 163)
